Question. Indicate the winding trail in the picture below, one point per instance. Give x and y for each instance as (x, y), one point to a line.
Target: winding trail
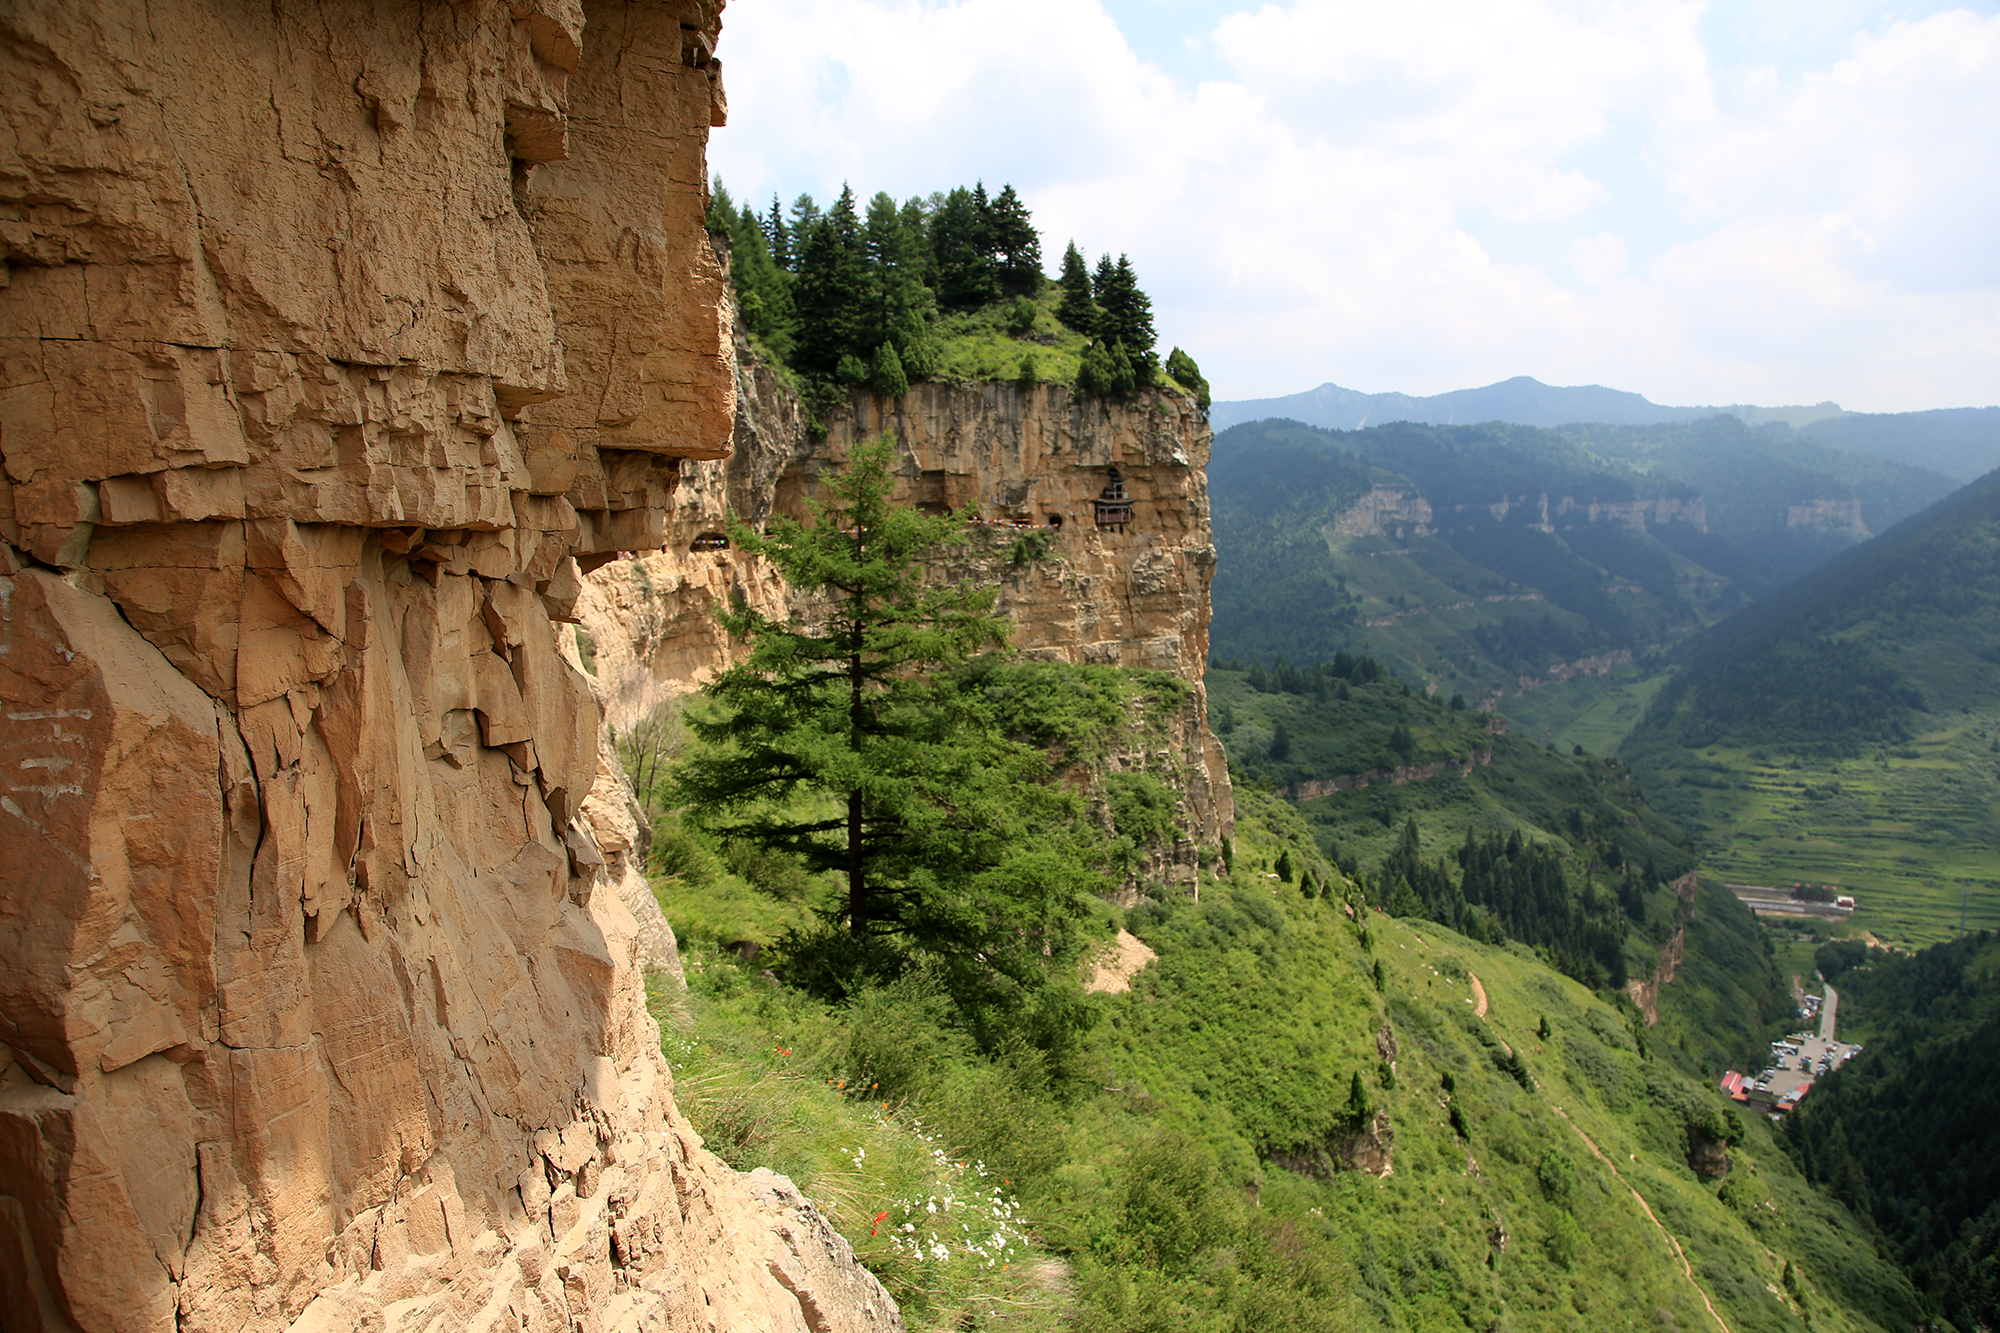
(1479, 1011)
(1647, 1209)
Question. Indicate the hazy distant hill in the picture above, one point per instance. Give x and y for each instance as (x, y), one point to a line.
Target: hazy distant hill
(1474, 556)
(1906, 624)
(1846, 729)
(1962, 443)
(1521, 401)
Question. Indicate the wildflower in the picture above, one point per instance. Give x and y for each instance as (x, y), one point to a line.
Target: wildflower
(879, 1217)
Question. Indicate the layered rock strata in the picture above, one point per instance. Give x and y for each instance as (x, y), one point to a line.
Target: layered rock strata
(335, 340)
(1035, 464)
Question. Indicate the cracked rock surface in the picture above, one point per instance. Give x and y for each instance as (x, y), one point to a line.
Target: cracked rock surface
(338, 340)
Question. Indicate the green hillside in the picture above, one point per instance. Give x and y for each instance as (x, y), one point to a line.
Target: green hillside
(1406, 761)
(1847, 730)
(1198, 1169)
(1486, 574)
(1749, 480)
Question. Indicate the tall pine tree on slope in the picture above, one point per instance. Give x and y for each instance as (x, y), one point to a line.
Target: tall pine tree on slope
(1079, 308)
(831, 294)
(1016, 245)
(1128, 314)
(841, 741)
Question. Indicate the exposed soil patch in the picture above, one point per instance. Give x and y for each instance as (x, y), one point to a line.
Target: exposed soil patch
(1111, 972)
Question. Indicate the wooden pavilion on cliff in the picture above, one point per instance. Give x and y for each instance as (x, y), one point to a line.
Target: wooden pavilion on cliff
(1114, 507)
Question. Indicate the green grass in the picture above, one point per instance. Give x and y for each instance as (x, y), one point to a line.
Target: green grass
(980, 345)
(759, 1075)
(983, 344)
(1596, 712)
(1143, 1193)
(1905, 827)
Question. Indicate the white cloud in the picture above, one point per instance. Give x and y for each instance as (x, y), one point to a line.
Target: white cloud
(1435, 194)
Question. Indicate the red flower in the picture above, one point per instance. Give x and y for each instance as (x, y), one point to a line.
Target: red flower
(878, 1223)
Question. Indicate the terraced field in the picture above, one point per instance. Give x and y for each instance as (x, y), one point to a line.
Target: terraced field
(1907, 829)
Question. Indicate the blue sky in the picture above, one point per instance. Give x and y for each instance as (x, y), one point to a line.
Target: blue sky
(1770, 201)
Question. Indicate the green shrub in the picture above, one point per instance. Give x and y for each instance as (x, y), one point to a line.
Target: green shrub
(1142, 812)
(885, 372)
(1174, 1206)
(682, 853)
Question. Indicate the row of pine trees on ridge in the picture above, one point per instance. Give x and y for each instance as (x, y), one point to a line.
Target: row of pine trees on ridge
(850, 298)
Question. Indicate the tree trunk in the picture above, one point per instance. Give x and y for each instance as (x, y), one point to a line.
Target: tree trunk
(857, 893)
(857, 888)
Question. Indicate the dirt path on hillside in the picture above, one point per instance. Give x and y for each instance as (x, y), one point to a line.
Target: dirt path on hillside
(1647, 1209)
(1479, 1010)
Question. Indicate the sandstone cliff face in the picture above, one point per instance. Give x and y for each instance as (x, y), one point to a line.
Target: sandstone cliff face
(332, 337)
(650, 618)
(1132, 596)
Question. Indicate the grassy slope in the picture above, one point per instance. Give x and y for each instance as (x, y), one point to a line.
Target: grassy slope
(1908, 822)
(1725, 1000)
(1525, 787)
(1906, 828)
(1244, 1038)
(981, 345)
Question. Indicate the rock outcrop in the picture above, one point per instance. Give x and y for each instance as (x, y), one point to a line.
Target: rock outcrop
(1035, 464)
(336, 340)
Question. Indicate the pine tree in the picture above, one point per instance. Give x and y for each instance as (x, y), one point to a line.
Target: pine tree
(1016, 245)
(778, 236)
(831, 294)
(1128, 313)
(952, 845)
(1078, 310)
(962, 240)
(1359, 1112)
(805, 213)
(901, 307)
(763, 289)
(885, 372)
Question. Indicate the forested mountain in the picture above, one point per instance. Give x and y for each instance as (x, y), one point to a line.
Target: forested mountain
(1438, 813)
(1962, 443)
(1477, 556)
(1756, 483)
(1862, 648)
(1847, 728)
(1909, 1131)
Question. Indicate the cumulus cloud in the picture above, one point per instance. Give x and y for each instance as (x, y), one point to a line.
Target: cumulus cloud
(1437, 193)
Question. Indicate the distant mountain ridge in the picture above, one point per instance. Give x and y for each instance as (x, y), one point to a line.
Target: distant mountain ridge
(1962, 442)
